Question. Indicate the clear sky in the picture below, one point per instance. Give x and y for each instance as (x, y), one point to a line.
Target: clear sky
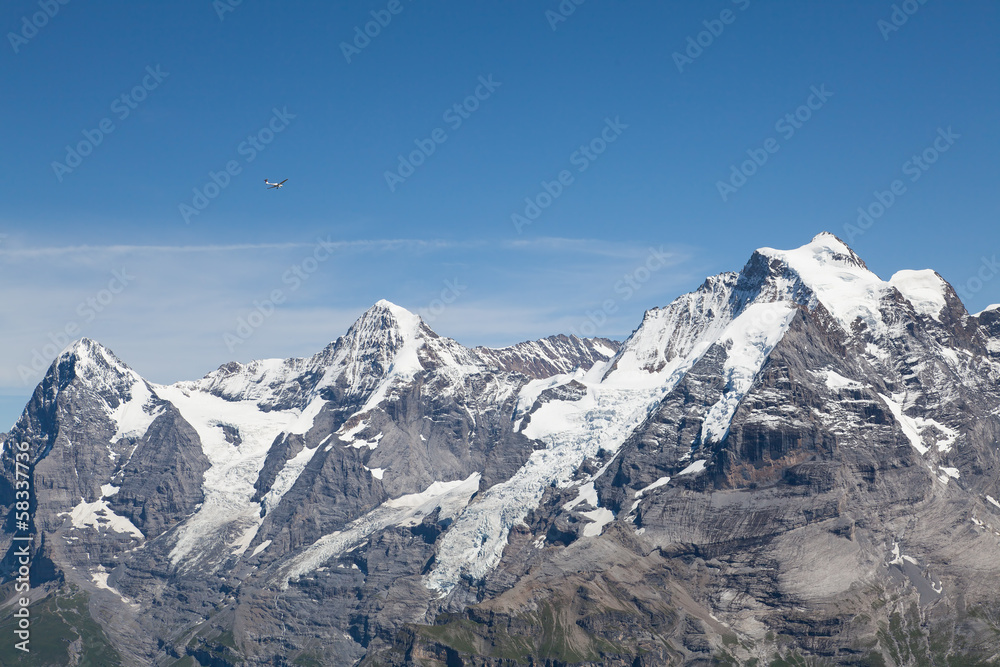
(617, 120)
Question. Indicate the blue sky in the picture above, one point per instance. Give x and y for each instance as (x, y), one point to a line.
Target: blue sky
(100, 244)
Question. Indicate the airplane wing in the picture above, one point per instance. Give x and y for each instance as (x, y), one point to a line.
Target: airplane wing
(283, 182)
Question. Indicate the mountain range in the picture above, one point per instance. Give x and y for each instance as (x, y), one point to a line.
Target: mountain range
(794, 464)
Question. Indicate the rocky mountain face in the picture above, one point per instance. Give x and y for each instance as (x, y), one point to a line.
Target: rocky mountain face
(794, 464)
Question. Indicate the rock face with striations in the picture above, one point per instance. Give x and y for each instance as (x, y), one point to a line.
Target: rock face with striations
(797, 462)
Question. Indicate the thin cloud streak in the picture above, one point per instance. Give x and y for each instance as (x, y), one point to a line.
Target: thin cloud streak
(555, 244)
(170, 321)
(56, 251)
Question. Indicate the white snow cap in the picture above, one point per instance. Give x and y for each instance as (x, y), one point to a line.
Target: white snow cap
(840, 281)
(837, 277)
(397, 311)
(89, 352)
(387, 315)
(382, 341)
(924, 289)
(99, 369)
(995, 306)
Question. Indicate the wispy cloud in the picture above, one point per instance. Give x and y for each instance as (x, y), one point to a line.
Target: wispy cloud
(170, 318)
(598, 247)
(368, 244)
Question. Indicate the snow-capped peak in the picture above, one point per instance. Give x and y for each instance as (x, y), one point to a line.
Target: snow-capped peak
(86, 351)
(382, 340)
(669, 336)
(925, 290)
(837, 249)
(397, 311)
(380, 345)
(96, 366)
(837, 278)
(127, 398)
(383, 322)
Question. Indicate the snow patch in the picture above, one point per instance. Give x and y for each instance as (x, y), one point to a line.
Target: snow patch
(836, 381)
(995, 306)
(260, 547)
(948, 473)
(134, 417)
(348, 435)
(750, 339)
(241, 543)
(556, 417)
(599, 519)
(304, 422)
(694, 468)
(531, 391)
(649, 487)
(100, 578)
(908, 424)
(286, 477)
(603, 350)
(587, 494)
(99, 516)
(915, 428)
(923, 289)
(408, 510)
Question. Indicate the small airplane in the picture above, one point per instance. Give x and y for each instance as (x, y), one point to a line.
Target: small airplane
(274, 185)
